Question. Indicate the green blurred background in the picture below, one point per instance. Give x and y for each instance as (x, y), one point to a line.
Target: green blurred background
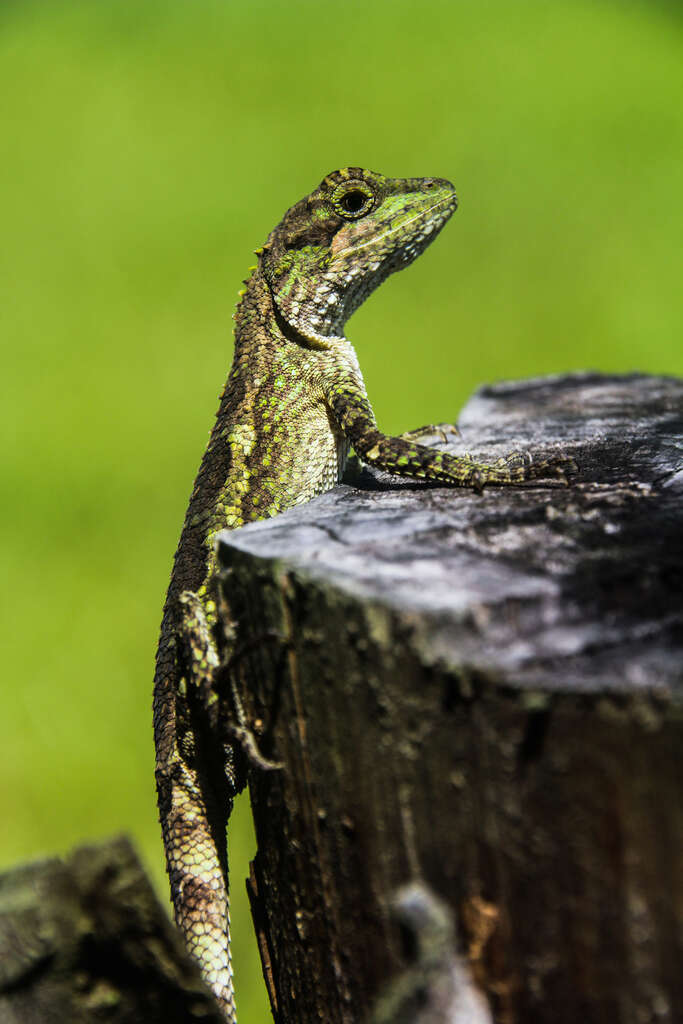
(146, 149)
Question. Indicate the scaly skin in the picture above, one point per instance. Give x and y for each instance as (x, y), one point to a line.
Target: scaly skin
(293, 404)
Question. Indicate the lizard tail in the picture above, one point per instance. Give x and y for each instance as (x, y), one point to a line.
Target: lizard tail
(193, 819)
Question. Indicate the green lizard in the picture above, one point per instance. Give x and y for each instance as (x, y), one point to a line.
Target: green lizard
(293, 404)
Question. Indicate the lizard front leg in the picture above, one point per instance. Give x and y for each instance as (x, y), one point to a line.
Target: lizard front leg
(403, 456)
(197, 784)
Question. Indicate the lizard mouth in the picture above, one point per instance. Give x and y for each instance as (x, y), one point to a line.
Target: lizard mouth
(432, 220)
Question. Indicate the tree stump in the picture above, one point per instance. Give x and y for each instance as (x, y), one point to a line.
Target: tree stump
(480, 694)
(84, 939)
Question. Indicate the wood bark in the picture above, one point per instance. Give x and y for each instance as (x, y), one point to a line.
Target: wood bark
(481, 694)
(84, 940)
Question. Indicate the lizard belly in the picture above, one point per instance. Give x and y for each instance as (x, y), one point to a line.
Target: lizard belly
(315, 461)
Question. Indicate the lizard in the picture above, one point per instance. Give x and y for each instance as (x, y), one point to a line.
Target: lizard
(293, 405)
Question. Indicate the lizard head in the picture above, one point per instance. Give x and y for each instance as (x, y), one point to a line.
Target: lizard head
(339, 243)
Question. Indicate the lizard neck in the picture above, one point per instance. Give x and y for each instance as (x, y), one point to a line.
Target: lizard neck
(320, 331)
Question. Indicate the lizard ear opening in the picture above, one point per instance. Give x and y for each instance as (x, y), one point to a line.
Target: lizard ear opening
(304, 298)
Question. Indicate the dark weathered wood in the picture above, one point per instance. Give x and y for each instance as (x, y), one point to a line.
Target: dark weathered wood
(483, 692)
(84, 939)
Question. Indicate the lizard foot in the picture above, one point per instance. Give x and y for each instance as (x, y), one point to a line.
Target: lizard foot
(240, 732)
(244, 738)
(558, 467)
(519, 467)
(442, 430)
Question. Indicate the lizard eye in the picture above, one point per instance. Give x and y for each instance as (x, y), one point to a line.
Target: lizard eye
(353, 199)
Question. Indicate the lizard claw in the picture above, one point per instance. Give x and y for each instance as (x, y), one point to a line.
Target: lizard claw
(559, 467)
(442, 430)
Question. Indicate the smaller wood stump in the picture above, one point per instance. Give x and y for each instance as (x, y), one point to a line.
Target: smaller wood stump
(84, 939)
(485, 693)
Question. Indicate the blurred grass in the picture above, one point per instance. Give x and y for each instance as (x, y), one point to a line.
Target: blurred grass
(147, 148)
